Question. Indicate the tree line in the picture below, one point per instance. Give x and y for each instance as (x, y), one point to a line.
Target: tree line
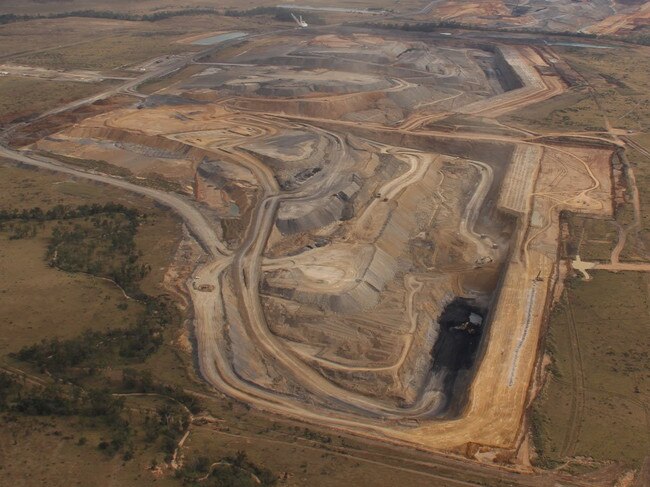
(108, 14)
(100, 241)
(635, 38)
(65, 212)
(93, 350)
(17, 397)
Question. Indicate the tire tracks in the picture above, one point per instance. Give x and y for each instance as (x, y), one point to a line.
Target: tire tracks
(578, 384)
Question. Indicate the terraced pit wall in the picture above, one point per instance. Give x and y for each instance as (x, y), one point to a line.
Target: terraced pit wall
(507, 75)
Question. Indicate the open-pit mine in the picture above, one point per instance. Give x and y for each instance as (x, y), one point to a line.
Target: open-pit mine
(380, 251)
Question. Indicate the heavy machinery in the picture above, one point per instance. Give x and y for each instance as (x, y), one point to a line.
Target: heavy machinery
(301, 23)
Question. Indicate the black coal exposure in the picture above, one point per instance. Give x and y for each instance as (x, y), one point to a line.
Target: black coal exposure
(460, 334)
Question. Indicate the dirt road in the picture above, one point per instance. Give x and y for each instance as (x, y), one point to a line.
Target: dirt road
(196, 223)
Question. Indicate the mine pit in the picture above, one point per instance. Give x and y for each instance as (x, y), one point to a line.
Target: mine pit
(379, 229)
(461, 329)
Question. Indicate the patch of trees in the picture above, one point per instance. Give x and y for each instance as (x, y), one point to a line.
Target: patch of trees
(58, 400)
(253, 12)
(101, 242)
(315, 436)
(102, 245)
(450, 24)
(108, 14)
(20, 230)
(8, 18)
(163, 427)
(95, 349)
(143, 382)
(166, 427)
(633, 38)
(68, 400)
(638, 38)
(100, 239)
(64, 212)
(232, 471)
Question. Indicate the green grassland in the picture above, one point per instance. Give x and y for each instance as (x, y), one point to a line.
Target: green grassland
(25, 97)
(592, 239)
(574, 110)
(614, 83)
(595, 401)
(108, 53)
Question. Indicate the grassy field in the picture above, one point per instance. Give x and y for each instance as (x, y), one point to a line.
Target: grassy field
(620, 81)
(574, 110)
(35, 35)
(30, 6)
(619, 78)
(25, 97)
(79, 35)
(108, 53)
(615, 79)
(106, 44)
(39, 301)
(615, 86)
(62, 452)
(638, 243)
(592, 239)
(595, 401)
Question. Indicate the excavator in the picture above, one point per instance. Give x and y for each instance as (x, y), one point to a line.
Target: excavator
(301, 23)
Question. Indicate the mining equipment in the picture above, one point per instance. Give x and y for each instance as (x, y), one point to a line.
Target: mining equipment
(301, 23)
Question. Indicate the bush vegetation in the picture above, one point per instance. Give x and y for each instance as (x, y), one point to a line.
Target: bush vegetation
(636, 38)
(108, 14)
(231, 471)
(96, 349)
(69, 400)
(98, 240)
